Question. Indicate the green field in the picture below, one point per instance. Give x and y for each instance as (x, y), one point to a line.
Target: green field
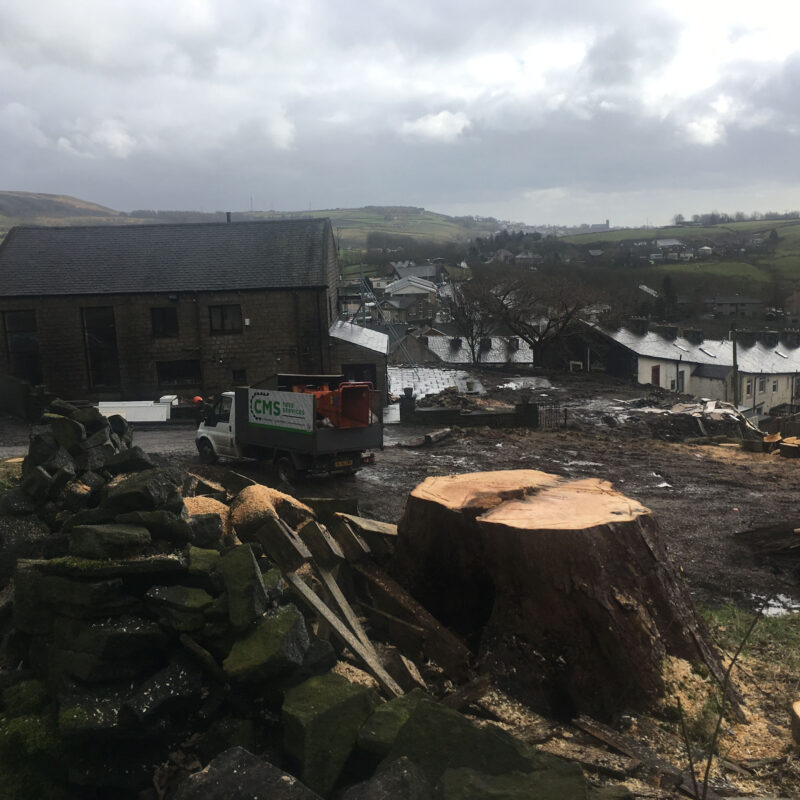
(351, 225)
(735, 270)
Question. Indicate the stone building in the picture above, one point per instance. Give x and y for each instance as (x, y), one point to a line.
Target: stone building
(134, 312)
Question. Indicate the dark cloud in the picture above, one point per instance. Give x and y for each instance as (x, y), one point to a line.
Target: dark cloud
(450, 105)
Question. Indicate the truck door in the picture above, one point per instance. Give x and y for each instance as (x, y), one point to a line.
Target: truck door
(219, 427)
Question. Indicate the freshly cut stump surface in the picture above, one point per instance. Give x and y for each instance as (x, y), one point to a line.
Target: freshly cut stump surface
(562, 587)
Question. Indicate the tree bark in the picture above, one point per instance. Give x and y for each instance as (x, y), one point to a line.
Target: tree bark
(563, 588)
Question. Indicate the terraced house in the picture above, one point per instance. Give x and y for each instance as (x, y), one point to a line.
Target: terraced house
(129, 312)
(767, 372)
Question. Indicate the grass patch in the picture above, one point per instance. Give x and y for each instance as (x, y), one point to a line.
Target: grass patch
(736, 270)
(774, 640)
(10, 474)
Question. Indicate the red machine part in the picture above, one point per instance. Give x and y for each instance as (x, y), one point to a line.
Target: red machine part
(347, 406)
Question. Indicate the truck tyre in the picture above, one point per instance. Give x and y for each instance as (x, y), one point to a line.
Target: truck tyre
(287, 472)
(206, 451)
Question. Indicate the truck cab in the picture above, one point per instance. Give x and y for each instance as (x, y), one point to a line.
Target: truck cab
(216, 435)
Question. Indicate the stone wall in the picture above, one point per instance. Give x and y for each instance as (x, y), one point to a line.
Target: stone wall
(287, 332)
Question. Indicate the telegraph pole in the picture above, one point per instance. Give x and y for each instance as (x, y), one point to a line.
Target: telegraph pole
(735, 368)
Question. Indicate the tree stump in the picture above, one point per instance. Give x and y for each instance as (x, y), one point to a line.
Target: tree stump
(563, 588)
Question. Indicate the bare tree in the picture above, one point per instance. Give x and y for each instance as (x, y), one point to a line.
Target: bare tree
(539, 307)
(465, 303)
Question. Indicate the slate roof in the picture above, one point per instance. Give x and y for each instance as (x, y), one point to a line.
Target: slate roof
(364, 337)
(500, 353)
(427, 271)
(123, 259)
(714, 352)
(718, 372)
(405, 283)
(400, 302)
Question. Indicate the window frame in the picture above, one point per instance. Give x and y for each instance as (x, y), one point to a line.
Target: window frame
(194, 379)
(161, 331)
(224, 327)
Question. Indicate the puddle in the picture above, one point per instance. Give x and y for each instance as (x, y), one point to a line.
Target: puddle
(781, 605)
(515, 384)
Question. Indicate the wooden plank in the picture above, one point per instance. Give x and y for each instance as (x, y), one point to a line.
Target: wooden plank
(380, 537)
(355, 549)
(369, 525)
(367, 656)
(469, 693)
(281, 545)
(437, 642)
(323, 547)
(613, 764)
(346, 610)
(661, 771)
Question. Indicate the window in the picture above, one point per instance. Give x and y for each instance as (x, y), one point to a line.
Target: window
(225, 319)
(22, 345)
(165, 322)
(100, 340)
(178, 373)
(222, 409)
(775, 385)
(748, 387)
(239, 377)
(762, 385)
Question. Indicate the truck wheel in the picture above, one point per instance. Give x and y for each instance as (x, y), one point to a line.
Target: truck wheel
(206, 450)
(286, 469)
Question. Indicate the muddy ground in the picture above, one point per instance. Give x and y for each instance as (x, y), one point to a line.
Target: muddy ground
(700, 494)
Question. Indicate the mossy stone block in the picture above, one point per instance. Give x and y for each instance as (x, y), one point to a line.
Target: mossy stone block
(107, 541)
(24, 698)
(467, 784)
(322, 717)
(182, 608)
(68, 432)
(202, 560)
(247, 597)
(438, 738)
(379, 732)
(276, 646)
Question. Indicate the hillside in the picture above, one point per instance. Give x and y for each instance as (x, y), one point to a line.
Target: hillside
(49, 209)
(737, 258)
(352, 225)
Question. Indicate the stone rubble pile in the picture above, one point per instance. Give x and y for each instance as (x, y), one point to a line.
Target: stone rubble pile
(158, 634)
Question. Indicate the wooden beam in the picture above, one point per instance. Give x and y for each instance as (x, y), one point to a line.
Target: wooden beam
(366, 655)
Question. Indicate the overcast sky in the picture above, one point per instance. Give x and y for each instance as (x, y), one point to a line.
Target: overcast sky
(542, 111)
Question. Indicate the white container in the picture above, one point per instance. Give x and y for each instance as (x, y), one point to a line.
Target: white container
(136, 410)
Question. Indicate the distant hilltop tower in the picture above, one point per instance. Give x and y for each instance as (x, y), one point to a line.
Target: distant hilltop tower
(608, 225)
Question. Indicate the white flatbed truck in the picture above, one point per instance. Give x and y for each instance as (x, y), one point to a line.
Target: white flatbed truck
(310, 424)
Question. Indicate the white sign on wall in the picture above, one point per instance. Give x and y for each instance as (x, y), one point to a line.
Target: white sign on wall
(282, 411)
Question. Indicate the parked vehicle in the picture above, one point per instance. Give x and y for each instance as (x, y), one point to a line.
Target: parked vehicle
(306, 424)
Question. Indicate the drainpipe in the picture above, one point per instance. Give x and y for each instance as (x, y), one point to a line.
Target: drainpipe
(735, 368)
(199, 342)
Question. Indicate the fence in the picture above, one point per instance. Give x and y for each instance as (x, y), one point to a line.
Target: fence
(551, 416)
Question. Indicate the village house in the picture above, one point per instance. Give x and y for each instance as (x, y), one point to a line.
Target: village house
(442, 343)
(768, 363)
(134, 312)
(734, 306)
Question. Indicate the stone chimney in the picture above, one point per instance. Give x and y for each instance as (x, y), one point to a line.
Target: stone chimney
(637, 325)
(694, 335)
(790, 338)
(746, 338)
(768, 338)
(669, 332)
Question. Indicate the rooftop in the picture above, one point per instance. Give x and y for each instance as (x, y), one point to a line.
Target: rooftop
(121, 259)
(755, 359)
